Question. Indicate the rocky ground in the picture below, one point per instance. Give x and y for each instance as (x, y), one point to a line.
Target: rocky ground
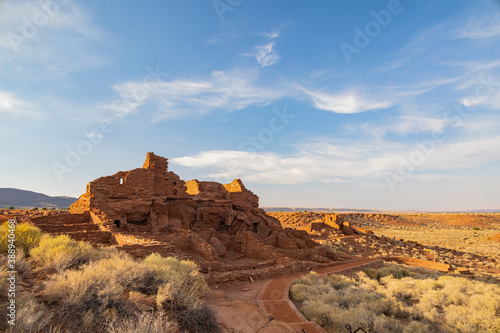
(465, 244)
(458, 243)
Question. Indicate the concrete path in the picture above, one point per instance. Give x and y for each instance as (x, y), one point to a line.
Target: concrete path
(273, 297)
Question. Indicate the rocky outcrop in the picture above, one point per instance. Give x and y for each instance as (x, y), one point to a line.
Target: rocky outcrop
(154, 199)
(317, 224)
(150, 209)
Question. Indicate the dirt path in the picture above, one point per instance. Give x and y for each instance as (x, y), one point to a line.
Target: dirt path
(273, 297)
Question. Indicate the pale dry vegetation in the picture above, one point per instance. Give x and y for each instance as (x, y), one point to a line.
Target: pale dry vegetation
(466, 240)
(393, 299)
(104, 290)
(27, 236)
(62, 252)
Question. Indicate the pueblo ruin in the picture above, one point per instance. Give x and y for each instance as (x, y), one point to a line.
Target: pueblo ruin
(219, 226)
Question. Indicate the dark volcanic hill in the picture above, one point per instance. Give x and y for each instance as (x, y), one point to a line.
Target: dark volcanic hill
(28, 199)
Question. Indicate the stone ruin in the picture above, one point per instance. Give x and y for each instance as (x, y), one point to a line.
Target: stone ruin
(153, 199)
(220, 226)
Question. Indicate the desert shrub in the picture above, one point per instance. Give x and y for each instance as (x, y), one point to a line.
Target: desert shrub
(395, 300)
(395, 271)
(195, 317)
(93, 298)
(181, 292)
(371, 273)
(130, 274)
(27, 237)
(22, 266)
(144, 322)
(32, 316)
(168, 270)
(88, 298)
(3, 274)
(62, 252)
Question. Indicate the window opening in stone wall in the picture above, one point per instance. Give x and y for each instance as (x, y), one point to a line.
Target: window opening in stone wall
(121, 181)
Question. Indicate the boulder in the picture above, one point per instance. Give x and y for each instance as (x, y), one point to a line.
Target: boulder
(219, 247)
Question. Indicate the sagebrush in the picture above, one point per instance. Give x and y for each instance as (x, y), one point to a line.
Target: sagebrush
(392, 299)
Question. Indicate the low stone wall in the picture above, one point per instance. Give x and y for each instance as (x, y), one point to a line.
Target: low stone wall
(94, 237)
(62, 219)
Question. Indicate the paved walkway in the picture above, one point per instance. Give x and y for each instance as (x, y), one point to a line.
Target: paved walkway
(273, 297)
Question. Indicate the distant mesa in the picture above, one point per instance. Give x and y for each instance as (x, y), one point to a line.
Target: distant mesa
(28, 199)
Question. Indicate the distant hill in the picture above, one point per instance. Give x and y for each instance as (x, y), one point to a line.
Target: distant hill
(375, 211)
(28, 199)
(324, 210)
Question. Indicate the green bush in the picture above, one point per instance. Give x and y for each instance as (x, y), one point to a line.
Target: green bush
(62, 252)
(27, 237)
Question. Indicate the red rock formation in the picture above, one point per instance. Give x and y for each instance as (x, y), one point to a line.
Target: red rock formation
(152, 198)
(150, 209)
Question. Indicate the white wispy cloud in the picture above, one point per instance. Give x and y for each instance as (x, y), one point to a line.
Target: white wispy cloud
(481, 123)
(266, 55)
(486, 27)
(10, 103)
(230, 91)
(346, 162)
(223, 37)
(346, 102)
(56, 37)
(14, 106)
(271, 35)
(227, 91)
(402, 125)
(486, 91)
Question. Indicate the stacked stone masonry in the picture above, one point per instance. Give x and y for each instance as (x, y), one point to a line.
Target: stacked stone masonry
(220, 226)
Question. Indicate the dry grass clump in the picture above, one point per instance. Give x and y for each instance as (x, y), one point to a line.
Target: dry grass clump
(107, 294)
(86, 299)
(27, 236)
(390, 300)
(181, 294)
(33, 316)
(145, 322)
(62, 252)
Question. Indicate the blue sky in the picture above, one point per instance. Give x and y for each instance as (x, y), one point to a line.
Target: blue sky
(359, 104)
